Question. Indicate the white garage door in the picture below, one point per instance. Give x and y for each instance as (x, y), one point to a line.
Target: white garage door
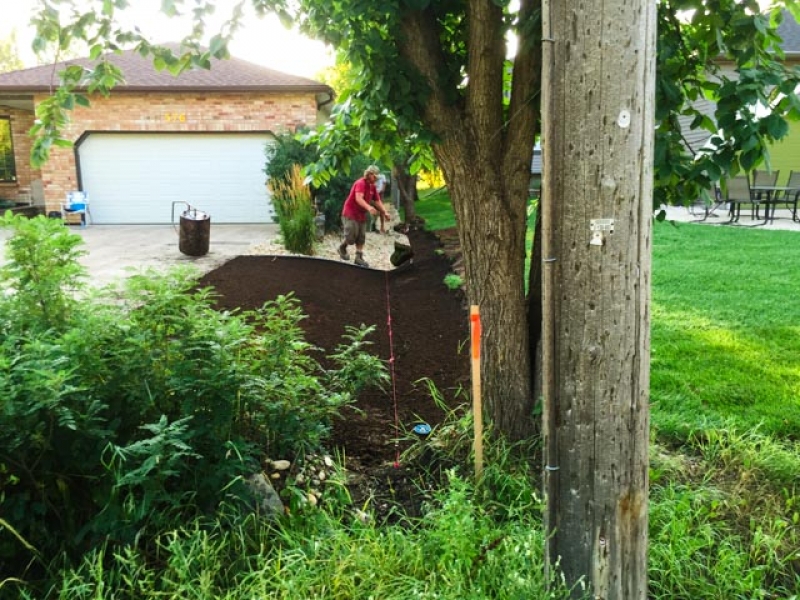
(135, 178)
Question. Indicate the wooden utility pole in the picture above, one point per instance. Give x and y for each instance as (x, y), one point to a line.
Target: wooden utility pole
(598, 128)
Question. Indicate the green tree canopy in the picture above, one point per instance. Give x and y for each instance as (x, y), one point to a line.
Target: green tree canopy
(9, 54)
(729, 53)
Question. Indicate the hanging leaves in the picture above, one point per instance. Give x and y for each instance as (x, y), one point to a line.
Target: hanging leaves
(731, 59)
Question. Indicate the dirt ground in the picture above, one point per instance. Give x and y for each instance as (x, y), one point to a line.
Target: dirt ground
(429, 331)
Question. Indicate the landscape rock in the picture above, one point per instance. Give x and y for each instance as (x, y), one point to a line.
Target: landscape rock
(268, 503)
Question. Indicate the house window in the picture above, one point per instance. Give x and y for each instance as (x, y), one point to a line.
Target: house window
(8, 170)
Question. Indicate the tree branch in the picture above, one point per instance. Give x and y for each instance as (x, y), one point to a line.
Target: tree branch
(485, 64)
(525, 110)
(420, 46)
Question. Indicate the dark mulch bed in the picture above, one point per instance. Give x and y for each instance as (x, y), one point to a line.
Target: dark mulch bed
(429, 325)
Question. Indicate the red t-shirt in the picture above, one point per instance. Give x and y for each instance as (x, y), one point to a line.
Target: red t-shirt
(351, 208)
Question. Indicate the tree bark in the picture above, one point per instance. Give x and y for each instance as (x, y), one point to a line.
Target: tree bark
(598, 116)
(491, 231)
(486, 161)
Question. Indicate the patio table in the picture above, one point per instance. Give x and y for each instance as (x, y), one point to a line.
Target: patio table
(773, 194)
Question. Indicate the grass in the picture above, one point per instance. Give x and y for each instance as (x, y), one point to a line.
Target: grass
(434, 205)
(725, 329)
(458, 551)
(725, 325)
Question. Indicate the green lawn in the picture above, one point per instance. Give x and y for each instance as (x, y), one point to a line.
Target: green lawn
(726, 328)
(434, 206)
(725, 325)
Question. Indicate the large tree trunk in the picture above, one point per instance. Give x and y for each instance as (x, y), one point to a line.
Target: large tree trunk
(490, 213)
(486, 157)
(598, 117)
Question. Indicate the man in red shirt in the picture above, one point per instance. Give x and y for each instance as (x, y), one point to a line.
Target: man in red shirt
(363, 198)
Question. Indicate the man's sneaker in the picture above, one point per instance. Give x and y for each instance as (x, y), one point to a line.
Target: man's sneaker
(360, 261)
(343, 253)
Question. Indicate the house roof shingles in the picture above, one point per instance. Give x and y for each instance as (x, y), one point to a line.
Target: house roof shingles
(232, 74)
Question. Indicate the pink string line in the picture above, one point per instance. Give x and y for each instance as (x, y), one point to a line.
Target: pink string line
(391, 366)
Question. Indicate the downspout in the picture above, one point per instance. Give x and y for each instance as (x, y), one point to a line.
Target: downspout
(331, 96)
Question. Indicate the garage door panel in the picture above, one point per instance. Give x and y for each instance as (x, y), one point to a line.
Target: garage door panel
(136, 178)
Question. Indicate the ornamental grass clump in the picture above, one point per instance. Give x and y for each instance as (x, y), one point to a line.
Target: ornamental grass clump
(295, 210)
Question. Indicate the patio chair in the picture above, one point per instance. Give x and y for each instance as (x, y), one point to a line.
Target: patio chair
(706, 207)
(738, 192)
(76, 203)
(764, 178)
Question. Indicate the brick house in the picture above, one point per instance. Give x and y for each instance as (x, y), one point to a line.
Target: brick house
(199, 138)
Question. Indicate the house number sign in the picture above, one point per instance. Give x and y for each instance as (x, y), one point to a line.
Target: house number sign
(175, 117)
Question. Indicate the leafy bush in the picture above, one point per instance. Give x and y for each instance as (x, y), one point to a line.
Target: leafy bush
(43, 278)
(285, 152)
(295, 210)
(131, 411)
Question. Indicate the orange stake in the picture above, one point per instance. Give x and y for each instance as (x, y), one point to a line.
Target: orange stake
(477, 406)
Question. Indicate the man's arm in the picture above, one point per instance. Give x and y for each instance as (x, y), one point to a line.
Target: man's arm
(364, 204)
(382, 210)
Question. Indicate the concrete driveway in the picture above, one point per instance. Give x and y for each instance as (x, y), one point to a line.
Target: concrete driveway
(117, 251)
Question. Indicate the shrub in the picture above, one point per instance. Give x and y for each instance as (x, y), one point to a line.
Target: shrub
(43, 276)
(140, 408)
(292, 201)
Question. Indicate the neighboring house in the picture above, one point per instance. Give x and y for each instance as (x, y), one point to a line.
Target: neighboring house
(785, 155)
(199, 138)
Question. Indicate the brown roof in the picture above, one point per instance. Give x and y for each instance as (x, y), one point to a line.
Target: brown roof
(140, 75)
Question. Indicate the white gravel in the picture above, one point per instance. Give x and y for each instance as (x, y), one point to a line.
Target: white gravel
(377, 250)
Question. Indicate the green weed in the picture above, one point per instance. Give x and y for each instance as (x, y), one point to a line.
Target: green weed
(126, 413)
(453, 281)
